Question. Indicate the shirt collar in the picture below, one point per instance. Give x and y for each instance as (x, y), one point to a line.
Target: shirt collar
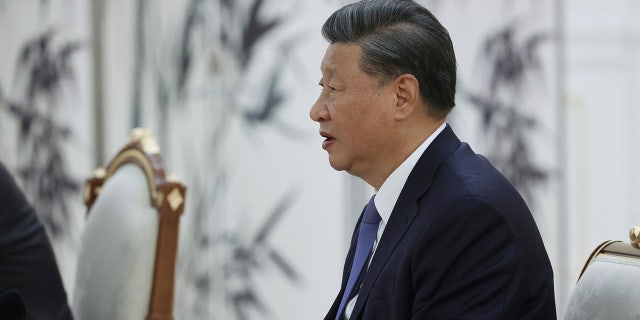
(389, 192)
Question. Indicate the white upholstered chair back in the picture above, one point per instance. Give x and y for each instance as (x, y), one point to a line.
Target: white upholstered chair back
(607, 286)
(126, 265)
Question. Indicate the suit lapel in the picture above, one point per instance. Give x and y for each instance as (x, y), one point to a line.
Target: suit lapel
(346, 270)
(406, 209)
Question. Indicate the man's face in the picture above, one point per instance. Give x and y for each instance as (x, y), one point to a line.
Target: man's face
(354, 113)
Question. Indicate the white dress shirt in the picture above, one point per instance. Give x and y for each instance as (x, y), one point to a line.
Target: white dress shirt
(388, 194)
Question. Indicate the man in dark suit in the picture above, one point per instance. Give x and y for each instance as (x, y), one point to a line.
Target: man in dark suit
(452, 238)
(29, 274)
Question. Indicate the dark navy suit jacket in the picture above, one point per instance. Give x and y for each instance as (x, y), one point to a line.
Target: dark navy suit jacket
(460, 244)
(27, 261)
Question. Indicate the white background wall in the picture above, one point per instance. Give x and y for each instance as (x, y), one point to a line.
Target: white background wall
(602, 81)
(68, 107)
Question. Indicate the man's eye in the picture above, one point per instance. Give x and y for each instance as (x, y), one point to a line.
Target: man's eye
(326, 87)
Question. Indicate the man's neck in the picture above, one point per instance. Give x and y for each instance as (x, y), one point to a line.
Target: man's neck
(411, 138)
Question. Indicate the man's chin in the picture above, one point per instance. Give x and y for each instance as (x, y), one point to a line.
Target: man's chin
(336, 165)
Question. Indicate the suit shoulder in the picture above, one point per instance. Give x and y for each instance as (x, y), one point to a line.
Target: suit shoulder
(475, 173)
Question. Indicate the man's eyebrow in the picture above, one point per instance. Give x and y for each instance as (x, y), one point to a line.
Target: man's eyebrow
(328, 68)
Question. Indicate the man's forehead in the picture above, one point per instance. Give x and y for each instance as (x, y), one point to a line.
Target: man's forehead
(327, 68)
(339, 54)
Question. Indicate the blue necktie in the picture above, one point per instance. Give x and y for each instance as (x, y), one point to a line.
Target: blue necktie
(366, 237)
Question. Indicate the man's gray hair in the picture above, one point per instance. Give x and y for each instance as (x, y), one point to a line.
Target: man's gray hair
(400, 37)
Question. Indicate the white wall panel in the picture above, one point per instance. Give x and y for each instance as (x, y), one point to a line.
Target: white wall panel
(602, 73)
(50, 85)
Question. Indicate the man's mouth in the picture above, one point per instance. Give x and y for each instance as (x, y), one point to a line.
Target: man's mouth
(326, 135)
(328, 140)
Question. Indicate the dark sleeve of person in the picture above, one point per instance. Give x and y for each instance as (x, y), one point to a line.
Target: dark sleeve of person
(469, 266)
(27, 261)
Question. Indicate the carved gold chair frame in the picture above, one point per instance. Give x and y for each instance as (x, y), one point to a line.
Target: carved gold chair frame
(167, 195)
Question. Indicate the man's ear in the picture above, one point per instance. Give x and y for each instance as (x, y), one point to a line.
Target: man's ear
(407, 94)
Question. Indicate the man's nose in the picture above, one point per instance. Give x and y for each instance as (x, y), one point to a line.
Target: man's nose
(319, 111)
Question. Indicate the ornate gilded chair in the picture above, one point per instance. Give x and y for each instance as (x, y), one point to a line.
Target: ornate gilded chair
(126, 265)
(606, 288)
